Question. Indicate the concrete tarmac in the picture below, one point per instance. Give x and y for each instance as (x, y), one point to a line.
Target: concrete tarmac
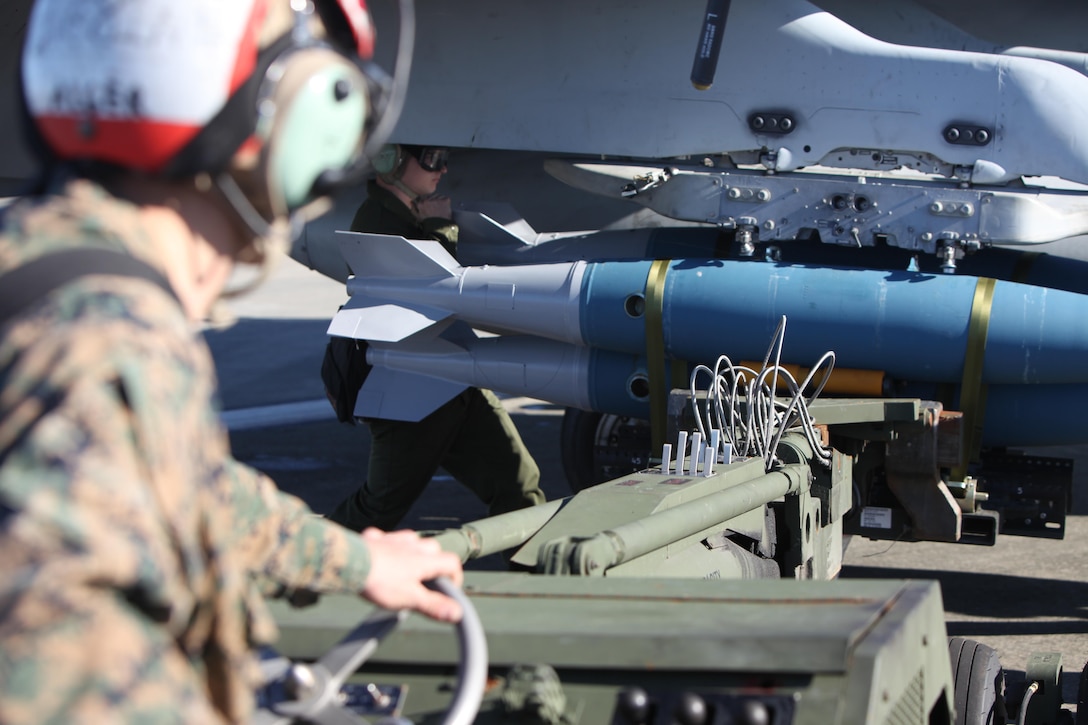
(1021, 596)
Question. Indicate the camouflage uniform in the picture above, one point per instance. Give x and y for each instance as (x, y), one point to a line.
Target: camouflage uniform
(471, 436)
(130, 540)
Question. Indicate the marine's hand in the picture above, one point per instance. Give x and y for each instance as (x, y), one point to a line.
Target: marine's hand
(400, 561)
(435, 205)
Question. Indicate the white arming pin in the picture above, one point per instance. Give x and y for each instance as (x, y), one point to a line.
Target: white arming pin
(681, 448)
(696, 451)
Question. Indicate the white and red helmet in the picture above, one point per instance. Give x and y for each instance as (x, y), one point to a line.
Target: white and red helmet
(174, 88)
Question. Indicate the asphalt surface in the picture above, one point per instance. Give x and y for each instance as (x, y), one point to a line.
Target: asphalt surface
(1021, 596)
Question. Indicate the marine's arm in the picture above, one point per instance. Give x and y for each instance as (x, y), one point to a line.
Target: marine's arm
(168, 380)
(292, 546)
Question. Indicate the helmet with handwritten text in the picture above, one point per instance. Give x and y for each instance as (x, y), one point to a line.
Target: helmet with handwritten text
(271, 100)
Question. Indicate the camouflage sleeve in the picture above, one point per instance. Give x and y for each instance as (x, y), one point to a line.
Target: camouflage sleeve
(170, 382)
(287, 543)
(268, 532)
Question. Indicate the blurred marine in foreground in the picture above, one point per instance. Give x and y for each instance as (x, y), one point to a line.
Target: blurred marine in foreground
(182, 137)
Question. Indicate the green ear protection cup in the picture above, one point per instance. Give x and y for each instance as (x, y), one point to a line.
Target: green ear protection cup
(389, 159)
(319, 108)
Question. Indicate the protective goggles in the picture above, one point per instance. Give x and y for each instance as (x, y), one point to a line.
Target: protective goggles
(432, 159)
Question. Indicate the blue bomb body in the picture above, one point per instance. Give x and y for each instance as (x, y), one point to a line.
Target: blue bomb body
(912, 326)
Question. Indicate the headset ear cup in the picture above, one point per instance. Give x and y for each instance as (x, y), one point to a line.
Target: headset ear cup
(319, 110)
(388, 160)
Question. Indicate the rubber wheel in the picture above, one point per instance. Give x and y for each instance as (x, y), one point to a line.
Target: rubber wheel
(979, 681)
(597, 447)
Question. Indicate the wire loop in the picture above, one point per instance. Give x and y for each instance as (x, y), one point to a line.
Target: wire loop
(746, 407)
